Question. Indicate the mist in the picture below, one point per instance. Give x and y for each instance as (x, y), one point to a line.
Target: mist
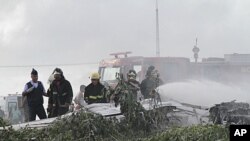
(205, 92)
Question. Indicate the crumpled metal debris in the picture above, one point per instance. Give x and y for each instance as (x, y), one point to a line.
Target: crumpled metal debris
(230, 113)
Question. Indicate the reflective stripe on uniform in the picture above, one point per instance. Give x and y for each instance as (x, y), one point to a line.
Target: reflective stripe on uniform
(96, 97)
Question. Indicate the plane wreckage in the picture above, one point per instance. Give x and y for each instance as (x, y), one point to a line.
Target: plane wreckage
(177, 114)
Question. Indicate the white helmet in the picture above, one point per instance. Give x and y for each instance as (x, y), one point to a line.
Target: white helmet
(131, 74)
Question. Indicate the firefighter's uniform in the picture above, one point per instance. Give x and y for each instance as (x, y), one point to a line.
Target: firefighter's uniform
(95, 93)
(151, 82)
(60, 96)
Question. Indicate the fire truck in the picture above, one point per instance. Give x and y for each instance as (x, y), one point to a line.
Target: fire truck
(170, 68)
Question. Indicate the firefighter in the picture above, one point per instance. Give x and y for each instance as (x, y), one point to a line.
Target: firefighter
(95, 92)
(35, 91)
(49, 93)
(126, 91)
(132, 83)
(151, 82)
(60, 94)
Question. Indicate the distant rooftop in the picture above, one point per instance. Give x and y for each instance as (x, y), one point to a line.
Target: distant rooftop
(213, 59)
(237, 57)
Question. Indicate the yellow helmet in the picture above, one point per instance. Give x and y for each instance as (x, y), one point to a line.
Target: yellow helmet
(95, 75)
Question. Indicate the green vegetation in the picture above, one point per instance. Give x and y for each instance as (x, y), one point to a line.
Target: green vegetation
(4, 122)
(84, 126)
(194, 133)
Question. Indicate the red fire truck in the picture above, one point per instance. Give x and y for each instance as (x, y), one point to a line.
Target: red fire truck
(170, 68)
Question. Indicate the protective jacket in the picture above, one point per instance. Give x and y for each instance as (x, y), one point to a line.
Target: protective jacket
(148, 85)
(95, 94)
(60, 97)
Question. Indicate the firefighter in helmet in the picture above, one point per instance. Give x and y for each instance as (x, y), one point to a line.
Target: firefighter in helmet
(60, 94)
(126, 91)
(132, 83)
(151, 82)
(95, 92)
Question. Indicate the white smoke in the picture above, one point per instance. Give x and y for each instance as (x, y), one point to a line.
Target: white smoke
(204, 92)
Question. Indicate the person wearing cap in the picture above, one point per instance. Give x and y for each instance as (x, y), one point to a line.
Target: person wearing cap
(151, 82)
(95, 92)
(34, 91)
(60, 94)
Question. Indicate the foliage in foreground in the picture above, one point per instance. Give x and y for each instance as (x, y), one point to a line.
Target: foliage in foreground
(85, 126)
(4, 122)
(80, 126)
(194, 133)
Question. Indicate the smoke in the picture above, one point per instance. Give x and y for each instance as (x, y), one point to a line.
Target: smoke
(204, 92)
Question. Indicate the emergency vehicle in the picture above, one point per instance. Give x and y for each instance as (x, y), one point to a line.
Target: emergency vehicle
(170, 68)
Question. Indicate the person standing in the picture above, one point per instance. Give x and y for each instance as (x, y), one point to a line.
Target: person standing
(151, 82)
(126, 92)
(60, 94)
(95, 92)
(34, 90)
(133, 84)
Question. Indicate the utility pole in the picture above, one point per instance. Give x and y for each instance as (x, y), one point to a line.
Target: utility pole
(157, 30)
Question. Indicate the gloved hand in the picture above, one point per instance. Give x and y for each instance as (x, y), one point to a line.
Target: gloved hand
(30, 89)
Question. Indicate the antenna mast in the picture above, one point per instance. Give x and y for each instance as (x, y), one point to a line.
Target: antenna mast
(157, 30)
(196, 51)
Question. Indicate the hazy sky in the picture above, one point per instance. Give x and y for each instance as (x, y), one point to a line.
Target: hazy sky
(73, 31)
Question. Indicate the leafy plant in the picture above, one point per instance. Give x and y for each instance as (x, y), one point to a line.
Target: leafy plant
(194, 133)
